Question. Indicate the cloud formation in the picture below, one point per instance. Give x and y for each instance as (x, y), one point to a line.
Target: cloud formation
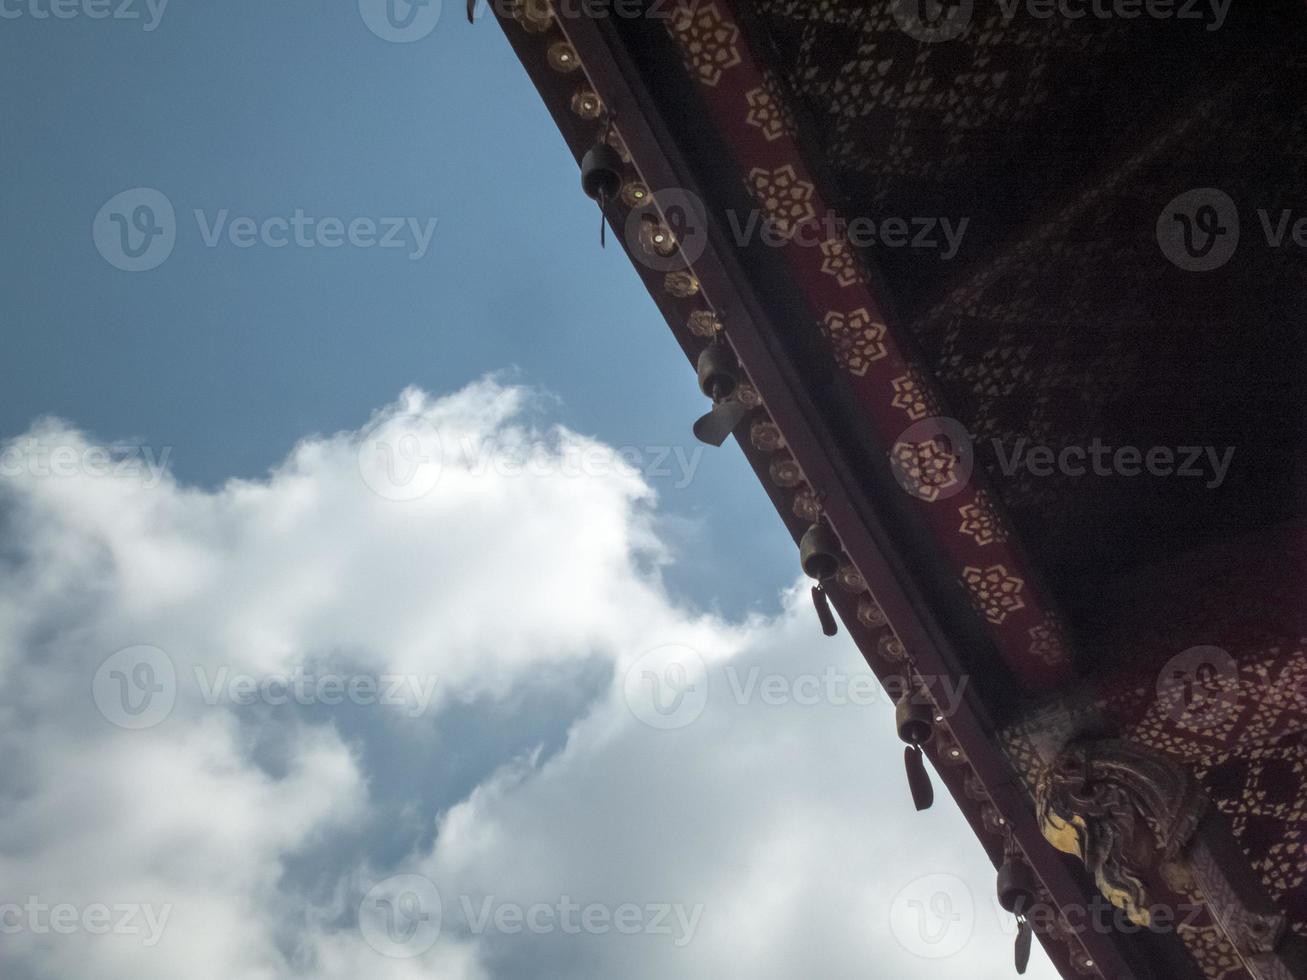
(250, 791)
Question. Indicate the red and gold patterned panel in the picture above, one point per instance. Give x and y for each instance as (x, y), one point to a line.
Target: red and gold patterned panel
(893, 390)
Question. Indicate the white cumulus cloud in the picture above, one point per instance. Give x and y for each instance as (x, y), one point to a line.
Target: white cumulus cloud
(360, 676)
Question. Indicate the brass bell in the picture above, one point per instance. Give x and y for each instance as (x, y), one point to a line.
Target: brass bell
(601, 178)
(819, 552)
(1017, 888)
(719, 372)
(915, 723)
(601, 173)
(915, 720)
(719, 379)
(1017, 893)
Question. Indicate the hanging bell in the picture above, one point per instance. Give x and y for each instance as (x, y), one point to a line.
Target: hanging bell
(1017, 893)
(914, 720)
(1016, 885)
(601, 178)
(719, 379)
(819, 552)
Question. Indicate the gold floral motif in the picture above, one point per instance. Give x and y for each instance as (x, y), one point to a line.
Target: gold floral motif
(535, 16)
(707, 39)
(681, 284)
(851, 579)
(1047, 643)
(767, 112)
(746, 394)
(925, 469)
(562, 57)
(996, 591)
(838, 260)
(806, 507)
(911, 395)
(891, 648)
(766, 436)
(857, 339)
(704, 323)
(980, 521)
(586, 104)
(635, 193)
(786, 199)
(785, 471)
(870, 614)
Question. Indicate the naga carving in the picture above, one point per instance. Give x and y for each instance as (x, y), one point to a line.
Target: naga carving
(1120, 810)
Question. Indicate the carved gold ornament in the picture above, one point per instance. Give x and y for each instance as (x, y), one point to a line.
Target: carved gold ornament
(1120, 810)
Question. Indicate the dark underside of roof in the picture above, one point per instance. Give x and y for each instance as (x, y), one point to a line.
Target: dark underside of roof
(1059, 321)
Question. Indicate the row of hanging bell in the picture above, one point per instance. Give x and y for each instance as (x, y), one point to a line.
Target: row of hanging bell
(1017, 893)
(915, 719)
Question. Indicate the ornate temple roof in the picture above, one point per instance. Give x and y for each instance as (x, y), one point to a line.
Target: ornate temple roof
(1016, 302)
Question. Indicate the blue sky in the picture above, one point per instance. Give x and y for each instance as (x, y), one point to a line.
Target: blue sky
(152, 623)
(230, 355)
